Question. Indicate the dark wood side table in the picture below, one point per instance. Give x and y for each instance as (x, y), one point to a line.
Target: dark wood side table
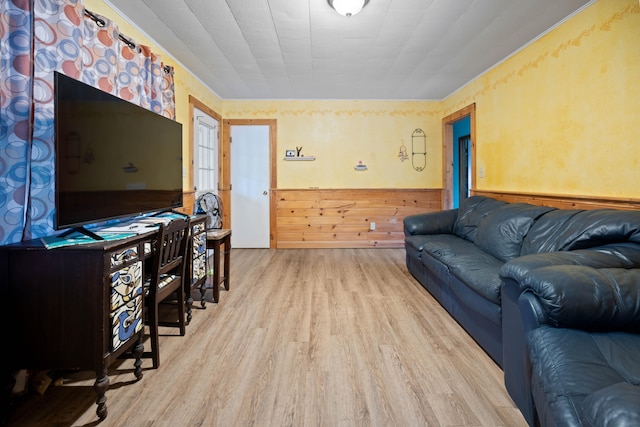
(216, 239)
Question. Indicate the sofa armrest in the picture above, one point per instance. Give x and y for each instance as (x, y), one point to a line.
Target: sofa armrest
(521, 313)
(582, 297)
(615, 255)
(430, 223)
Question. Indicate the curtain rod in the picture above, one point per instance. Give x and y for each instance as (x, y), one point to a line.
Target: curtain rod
(101, 23)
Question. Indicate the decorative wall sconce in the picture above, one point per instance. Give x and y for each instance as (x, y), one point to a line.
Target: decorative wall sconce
(418, 150)
(403, 153)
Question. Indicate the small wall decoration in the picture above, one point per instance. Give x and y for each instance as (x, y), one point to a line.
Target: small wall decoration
(130, 168)
(297, 155)
(360, 166)
(403, 153)
(418, 150)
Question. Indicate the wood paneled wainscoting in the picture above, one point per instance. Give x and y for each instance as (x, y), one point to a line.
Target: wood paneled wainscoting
(341, 218)
(563, 201)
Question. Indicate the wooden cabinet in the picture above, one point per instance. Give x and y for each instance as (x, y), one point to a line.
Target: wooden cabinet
(76, 307)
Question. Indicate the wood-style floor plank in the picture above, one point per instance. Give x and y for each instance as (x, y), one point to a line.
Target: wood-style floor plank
(305, 337)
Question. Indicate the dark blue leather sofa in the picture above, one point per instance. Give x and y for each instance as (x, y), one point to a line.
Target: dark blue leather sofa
(575, 357)
(474, 260)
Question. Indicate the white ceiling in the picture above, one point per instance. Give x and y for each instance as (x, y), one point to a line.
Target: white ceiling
(302, 49)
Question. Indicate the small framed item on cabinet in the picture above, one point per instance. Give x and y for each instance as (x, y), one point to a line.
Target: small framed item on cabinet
(290, 153)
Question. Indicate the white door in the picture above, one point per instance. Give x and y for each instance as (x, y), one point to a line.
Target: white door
(205, 160)
(250, 186)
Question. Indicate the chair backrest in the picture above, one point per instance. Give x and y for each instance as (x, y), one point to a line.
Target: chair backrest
(170, 251)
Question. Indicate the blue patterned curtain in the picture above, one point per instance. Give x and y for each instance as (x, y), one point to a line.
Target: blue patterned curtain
(38, 38)
(16, 73)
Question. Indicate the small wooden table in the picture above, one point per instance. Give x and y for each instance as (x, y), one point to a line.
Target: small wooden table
(216, 238)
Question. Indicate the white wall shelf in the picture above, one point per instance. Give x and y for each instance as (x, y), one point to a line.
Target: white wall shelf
(301, 158)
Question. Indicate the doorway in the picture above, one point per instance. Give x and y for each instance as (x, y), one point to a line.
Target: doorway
(463, 186)
(459, 159)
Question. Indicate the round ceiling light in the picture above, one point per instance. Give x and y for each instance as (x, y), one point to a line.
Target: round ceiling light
(347, 7)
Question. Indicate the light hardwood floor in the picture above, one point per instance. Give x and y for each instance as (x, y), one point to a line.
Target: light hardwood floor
(305, 337)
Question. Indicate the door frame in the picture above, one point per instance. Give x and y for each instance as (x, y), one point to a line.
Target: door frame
(464, 171)
(189, 193)
(225, 182)
(447, 152)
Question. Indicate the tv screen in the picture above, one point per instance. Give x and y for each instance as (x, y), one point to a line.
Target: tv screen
(114, 159)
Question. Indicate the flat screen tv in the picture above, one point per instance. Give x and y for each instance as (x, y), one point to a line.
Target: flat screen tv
(114, 159)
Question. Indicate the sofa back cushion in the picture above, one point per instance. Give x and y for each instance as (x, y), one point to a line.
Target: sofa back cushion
(615, 405)
(502, 231)
(471, 212)
(543, 235)
(564, 230)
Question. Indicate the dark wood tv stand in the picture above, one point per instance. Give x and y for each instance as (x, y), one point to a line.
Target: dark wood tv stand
(76, 307)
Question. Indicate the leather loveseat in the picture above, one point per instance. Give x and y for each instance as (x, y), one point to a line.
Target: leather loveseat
(582, 327)
(473, 260)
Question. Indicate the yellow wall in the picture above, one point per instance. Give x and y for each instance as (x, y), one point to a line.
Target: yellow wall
(558, 117)
(342, 133)
(561, 116)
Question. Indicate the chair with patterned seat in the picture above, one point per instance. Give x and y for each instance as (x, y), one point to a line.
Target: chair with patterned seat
(167, 278)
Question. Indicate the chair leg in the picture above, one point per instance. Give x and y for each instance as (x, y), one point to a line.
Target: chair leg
(181, 311)
(153, 334)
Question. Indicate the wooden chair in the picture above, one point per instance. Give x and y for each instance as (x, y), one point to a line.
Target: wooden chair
(167, 278)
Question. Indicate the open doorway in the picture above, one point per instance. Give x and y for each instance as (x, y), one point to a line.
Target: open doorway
(461, 160)
(458, 156)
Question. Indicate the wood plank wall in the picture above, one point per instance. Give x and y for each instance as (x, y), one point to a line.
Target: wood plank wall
(188, 200)
(341, 218)
(563, 201)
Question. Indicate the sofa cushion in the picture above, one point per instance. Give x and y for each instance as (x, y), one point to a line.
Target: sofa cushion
(471, 212)
(415, 243)
(613, 406)
(565, 230)
(468, 262)
(570, 364)
(616, 255)
(603, 226)
(543, 234)
(502, 231)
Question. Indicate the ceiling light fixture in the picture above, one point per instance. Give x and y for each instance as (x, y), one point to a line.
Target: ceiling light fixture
(347, 7)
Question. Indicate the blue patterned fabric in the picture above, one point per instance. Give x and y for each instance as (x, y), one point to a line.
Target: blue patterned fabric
(15, 112)
(38, 38)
